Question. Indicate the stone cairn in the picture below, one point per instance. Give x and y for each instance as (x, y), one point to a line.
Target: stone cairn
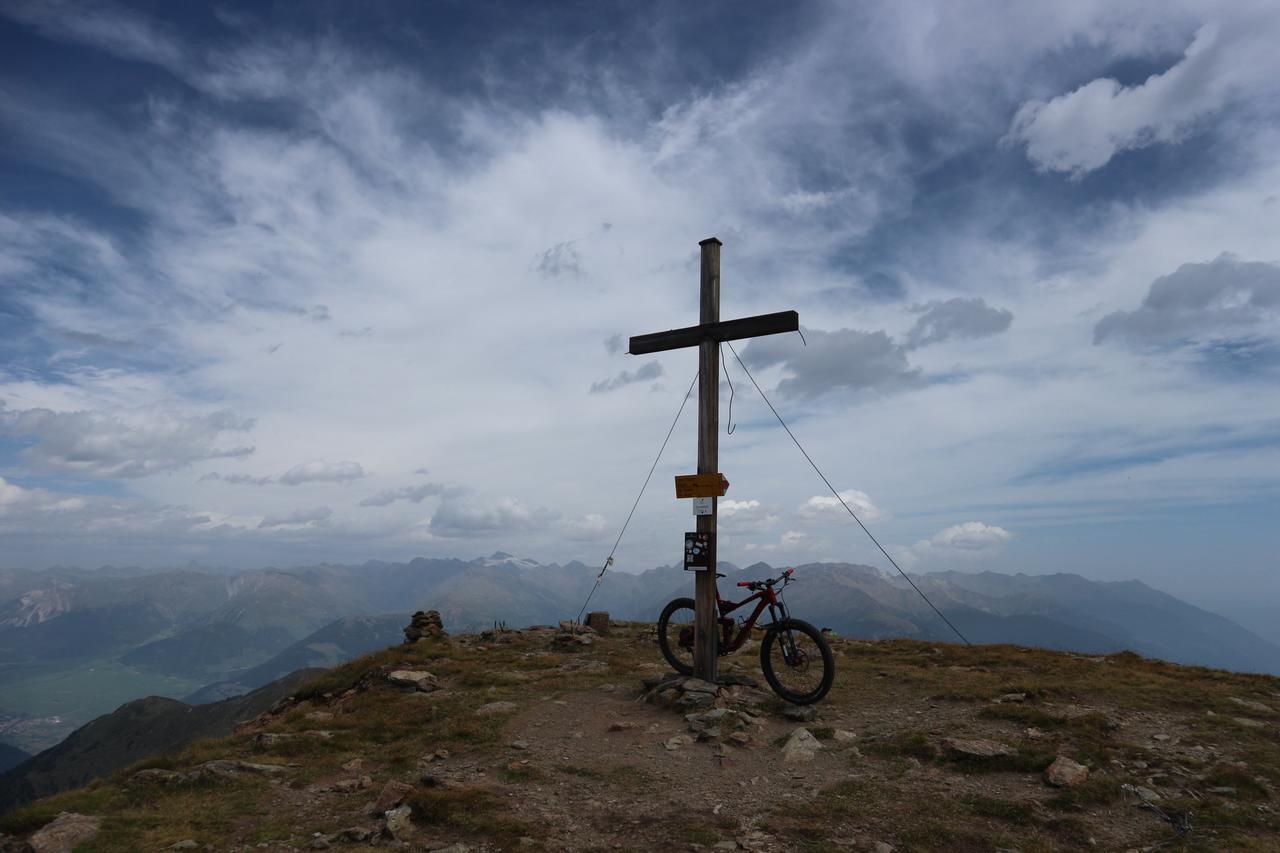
(425, 626)
(598, 621)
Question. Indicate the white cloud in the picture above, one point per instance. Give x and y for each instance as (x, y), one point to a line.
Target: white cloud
(121, 444)
(968, 541)
(647, 372)
(298, 518)
(959, 317)
(748, 516)
(322, 472)
(828, 507)
(412, 494)
(591, 527)
(1228, 60)
(971, 536)
(1226, 297)
(831, 362)
(505, 515)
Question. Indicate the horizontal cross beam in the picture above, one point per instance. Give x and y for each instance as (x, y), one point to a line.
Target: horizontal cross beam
(727, 330)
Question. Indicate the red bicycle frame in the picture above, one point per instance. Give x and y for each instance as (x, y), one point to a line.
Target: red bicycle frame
(764, 598)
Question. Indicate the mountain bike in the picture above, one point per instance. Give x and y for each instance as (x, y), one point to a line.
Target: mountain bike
(794, 656)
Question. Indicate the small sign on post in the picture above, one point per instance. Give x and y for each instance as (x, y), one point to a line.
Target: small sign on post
(697, 551)
(703, 506)
(701, 486)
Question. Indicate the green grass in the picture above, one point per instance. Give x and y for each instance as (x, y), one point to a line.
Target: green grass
(474, 811)
(1025, 760)
(904, 744)
(1018, 812)
(1094, 791)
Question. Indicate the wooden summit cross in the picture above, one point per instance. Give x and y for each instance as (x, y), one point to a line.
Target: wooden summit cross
(707, 336)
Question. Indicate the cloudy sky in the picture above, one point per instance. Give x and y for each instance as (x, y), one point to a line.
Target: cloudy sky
(295, 282)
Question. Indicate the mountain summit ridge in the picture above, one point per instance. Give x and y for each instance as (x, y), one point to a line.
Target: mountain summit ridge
(517, 740)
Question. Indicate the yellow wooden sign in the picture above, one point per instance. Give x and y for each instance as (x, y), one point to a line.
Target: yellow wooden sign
(701, 485)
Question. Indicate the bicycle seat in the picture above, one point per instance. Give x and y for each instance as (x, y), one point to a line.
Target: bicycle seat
(720, 574)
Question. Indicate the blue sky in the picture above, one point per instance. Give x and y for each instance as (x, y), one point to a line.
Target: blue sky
(303, 282)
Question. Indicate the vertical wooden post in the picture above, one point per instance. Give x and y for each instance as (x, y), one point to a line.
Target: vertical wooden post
(706, 613)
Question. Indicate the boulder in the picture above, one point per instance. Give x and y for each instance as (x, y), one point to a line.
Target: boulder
(1252, 705)
(269, 739)
(1145, 794)
(399, 823)
(417, 679)
(697, 685)
(392, 795)
(1248, 723)
(961, 748)
(64, 833)
(224, 768)
(1065, 773)
(800, 746)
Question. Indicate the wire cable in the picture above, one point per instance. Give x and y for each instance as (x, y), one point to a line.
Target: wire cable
(609, 560)
(730, 426)
(818, 470)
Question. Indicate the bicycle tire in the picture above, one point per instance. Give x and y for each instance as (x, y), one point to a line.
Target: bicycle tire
(828, 661)
(667, 652)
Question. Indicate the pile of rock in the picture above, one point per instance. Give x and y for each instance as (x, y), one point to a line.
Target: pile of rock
(723, 724)
(425, 626)
(572, 635)
(732, 689)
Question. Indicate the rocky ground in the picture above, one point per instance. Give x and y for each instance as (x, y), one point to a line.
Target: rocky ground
(574, 741)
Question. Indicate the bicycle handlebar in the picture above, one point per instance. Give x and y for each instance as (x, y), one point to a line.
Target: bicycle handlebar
(784, 579)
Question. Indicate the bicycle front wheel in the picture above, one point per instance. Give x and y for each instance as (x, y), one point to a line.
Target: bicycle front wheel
(797, 661)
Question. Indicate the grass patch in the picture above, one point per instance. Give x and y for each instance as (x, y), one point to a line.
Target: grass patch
(521, 773)
(1022, 714)
(1025, 760)
(1226, 776)
(936, 835)
(470, 810)
(1012, 811)
(904, 744)
(623, 775)
(1094, 791)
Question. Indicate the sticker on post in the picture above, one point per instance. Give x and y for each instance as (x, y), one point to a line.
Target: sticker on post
(702, 506)
(697, 552)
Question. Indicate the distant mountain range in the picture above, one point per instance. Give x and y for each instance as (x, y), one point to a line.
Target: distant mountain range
(236, 631)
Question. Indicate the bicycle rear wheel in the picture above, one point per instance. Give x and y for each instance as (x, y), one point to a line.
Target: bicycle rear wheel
(797, 661)
(675, 635)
